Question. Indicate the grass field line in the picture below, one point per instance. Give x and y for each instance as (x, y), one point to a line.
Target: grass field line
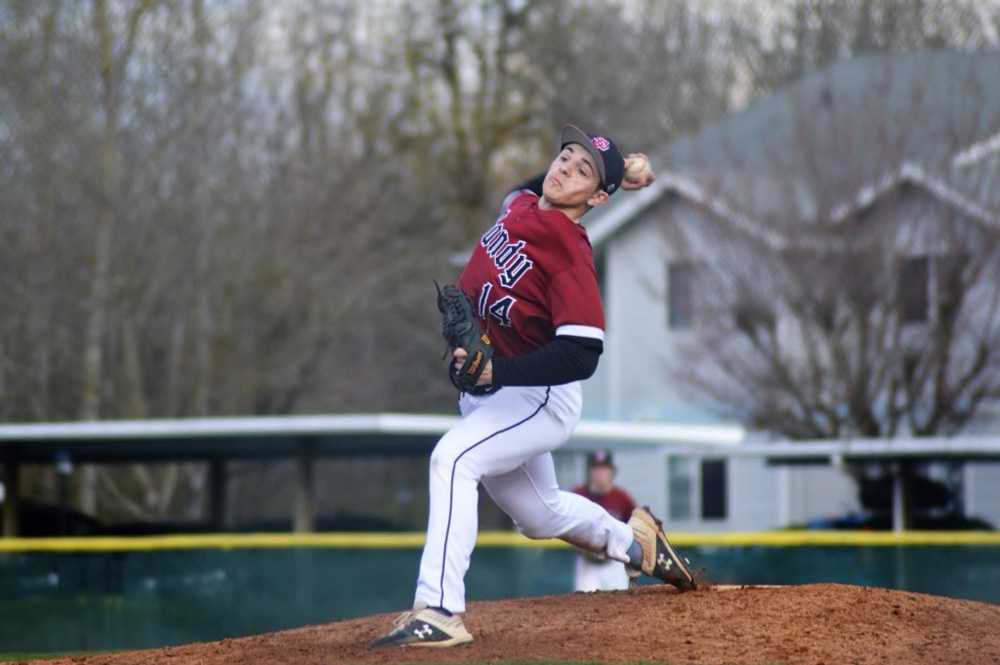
(414, 540)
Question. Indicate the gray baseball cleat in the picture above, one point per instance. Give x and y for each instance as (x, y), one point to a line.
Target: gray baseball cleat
(658, 558)
(425, 627)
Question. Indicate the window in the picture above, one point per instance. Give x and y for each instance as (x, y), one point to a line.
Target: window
(931, 284)
(949, 286)
(680, 295)
(679, 472)
(697, 489)
(753, 319)
(713, 489)
(914, 275)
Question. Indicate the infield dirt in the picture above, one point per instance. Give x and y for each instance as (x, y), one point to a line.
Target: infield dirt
(825, 624)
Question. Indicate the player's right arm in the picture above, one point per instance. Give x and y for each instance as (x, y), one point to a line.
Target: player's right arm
(533, 185)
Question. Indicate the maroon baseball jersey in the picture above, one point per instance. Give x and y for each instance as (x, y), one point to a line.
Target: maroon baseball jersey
(617, 502)
(531, 277)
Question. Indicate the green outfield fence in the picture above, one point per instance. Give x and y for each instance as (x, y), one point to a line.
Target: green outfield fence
(91, 594)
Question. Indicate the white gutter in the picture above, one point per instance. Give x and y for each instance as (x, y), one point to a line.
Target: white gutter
(383, 423)
(980, 446)
(729, 440)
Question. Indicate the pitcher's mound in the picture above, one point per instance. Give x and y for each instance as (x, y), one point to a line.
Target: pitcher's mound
(822, 623)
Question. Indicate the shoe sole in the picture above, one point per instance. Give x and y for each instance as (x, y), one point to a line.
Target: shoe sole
(453, 642)
(400, 637)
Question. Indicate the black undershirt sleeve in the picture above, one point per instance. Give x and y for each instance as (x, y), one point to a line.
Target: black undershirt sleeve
(533, 185)
(563, 360)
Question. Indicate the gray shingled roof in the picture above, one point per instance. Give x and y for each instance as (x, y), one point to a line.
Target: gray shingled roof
(835, 141)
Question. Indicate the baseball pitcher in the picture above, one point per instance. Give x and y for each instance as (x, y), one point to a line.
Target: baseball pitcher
(525, 325)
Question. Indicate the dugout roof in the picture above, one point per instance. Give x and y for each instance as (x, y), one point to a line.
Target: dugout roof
(285, 436)
(415, 435)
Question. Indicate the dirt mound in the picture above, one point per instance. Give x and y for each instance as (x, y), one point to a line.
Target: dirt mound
(823, 623)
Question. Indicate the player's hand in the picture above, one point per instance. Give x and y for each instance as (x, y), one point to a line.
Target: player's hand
(458, 359)
(646, 177)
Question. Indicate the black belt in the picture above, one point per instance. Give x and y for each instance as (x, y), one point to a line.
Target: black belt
(479, 391)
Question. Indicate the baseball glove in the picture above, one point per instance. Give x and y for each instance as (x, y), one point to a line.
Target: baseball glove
(460, 329)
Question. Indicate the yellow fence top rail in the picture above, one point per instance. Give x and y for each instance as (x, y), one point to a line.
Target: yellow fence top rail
(412, 540)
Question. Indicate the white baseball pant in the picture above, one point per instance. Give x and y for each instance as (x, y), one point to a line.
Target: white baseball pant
(607, 575)
(504, 440)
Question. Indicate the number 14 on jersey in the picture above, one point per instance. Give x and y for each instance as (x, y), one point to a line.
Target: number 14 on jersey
(499, 309)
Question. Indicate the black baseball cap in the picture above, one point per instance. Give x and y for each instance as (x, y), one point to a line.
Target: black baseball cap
(600, 458)
(609, 160)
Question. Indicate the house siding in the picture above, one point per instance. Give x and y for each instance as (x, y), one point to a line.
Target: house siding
(633, 378)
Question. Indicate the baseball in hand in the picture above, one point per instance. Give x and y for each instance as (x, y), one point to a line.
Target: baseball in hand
(637, 169)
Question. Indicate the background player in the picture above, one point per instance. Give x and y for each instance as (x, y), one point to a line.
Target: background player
(532, 281)
(595, 572)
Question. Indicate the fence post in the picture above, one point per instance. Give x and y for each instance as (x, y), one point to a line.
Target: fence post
(217, 493)
(305, 508)
(898, 501)
(11, 500)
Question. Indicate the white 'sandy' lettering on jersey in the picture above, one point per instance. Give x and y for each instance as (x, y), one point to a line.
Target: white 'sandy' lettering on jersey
(509, 257)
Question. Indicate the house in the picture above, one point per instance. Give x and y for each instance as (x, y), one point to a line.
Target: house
(904, 145)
